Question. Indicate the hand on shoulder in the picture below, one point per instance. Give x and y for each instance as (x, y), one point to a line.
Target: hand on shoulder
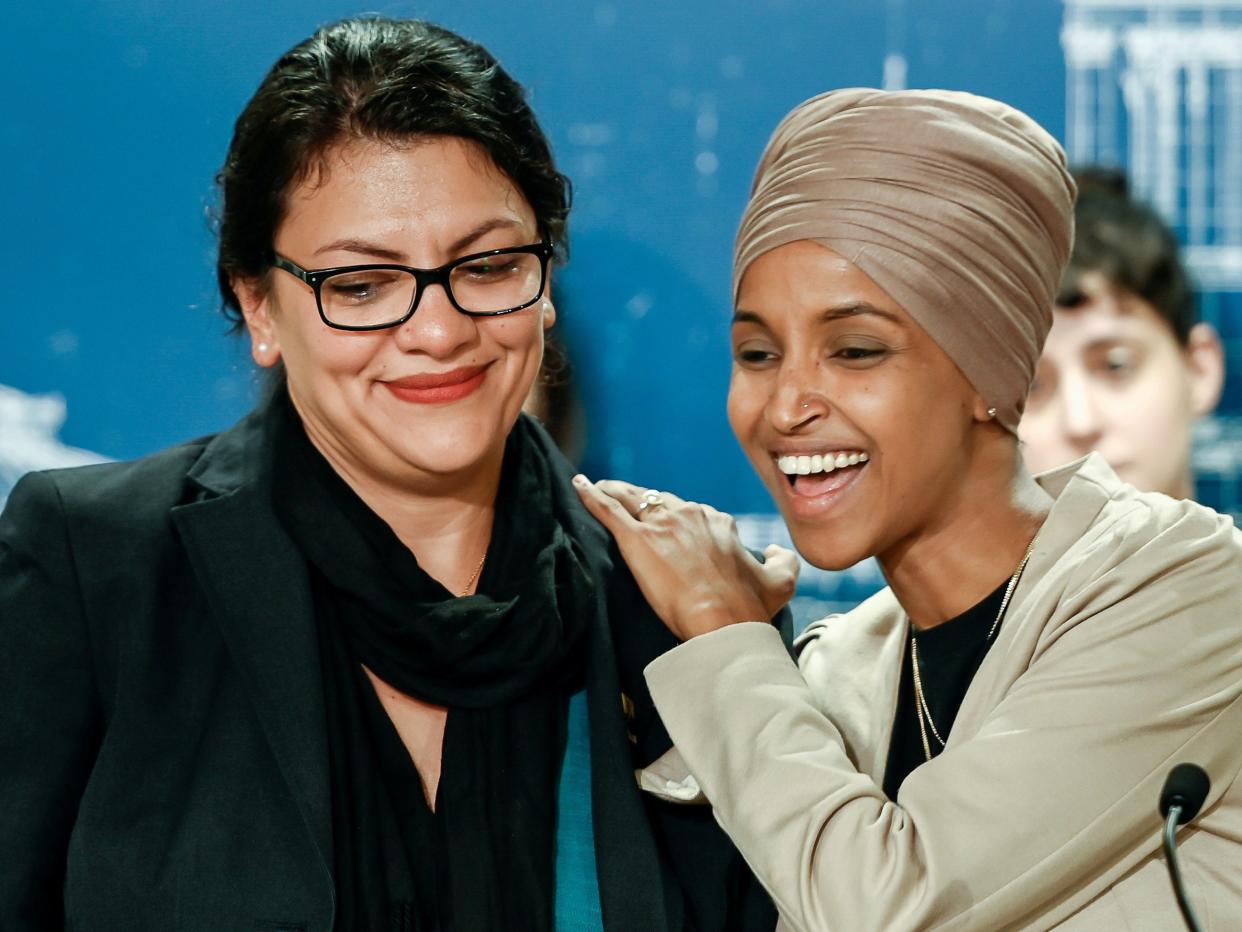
(688, 559)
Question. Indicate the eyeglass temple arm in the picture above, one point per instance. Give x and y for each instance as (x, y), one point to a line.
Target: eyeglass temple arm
(292, 268)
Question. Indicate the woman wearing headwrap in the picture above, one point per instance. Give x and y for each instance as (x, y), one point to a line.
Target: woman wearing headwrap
(982, 744)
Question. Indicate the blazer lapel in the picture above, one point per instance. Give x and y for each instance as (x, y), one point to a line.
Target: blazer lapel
(853, 665)
(257, 586)
(1079, 490)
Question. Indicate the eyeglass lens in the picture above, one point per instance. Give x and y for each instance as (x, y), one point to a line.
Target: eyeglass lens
(371, 297)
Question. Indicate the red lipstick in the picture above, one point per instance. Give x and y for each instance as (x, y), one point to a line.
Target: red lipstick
(438, 387)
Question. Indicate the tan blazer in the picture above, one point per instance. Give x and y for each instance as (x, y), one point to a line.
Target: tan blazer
(1120, 656)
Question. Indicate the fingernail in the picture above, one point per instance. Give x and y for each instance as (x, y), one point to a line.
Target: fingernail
(581, 481)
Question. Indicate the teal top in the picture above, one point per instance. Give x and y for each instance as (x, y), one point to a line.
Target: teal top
(577, 885)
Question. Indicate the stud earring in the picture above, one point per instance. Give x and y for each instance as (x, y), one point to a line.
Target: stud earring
(991, 412)
(262, 347)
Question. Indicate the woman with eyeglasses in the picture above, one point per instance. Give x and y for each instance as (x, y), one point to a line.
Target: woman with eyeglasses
(351, 664)
(983, 744)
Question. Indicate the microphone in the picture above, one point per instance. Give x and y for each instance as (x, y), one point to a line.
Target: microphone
(1185, 789)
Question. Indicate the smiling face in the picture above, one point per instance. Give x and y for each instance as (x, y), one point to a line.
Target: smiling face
(828, 368)
(1113, 378)
(434, 398)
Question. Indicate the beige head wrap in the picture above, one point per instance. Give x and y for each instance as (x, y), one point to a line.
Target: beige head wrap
(958, 206)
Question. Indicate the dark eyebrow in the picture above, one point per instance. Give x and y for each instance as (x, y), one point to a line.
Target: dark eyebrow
(362, 247)
(1108, 342)
(746, 317)
(855, 310)
(375, 250)
(829, 315)
(496, 223)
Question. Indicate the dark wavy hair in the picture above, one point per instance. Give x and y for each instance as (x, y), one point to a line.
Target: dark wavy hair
(1125, 240)
(374, 78)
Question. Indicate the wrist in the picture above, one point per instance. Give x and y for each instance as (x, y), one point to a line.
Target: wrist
(707, 619)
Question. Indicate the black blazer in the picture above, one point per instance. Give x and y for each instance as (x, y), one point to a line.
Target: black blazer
(163, 758)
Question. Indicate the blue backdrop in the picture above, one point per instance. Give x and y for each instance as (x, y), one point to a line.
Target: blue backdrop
(119, 113)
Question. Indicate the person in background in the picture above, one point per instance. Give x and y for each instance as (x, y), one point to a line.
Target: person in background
(1127, 369)
(362, 662)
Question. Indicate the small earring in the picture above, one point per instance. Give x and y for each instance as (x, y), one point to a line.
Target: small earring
(991, 412)
(262, 347)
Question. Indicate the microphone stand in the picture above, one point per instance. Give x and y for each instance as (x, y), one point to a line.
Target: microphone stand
(1175, 871)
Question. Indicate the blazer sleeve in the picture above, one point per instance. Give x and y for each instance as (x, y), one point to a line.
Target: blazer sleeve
(49, 720)
(1049, 803)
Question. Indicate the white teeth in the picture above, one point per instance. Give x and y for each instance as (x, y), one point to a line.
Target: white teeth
(819, 463)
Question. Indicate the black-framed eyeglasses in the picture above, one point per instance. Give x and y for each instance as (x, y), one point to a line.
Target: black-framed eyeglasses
(382, 295)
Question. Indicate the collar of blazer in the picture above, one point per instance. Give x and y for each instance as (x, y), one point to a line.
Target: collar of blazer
(257, 586)
(237, 459)
(1080, 491)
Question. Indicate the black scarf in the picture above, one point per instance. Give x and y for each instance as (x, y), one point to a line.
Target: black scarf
(503, 661)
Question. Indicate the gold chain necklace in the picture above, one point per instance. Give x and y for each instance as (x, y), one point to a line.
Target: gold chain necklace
(473, 576)
(920, 703)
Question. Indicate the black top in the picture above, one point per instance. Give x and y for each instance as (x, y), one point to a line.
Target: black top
(949, 657)
(401, 863)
